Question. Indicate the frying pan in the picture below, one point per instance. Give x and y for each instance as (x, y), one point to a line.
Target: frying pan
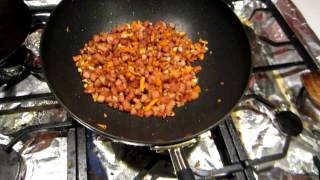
(15, 24)
(74, 22)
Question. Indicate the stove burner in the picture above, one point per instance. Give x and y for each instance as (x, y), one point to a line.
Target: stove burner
(289, 123)
(12, 166)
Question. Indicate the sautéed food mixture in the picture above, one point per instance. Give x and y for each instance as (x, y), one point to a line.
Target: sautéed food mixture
(142, 68)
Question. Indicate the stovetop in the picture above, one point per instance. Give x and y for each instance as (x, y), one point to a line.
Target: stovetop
(249, 144)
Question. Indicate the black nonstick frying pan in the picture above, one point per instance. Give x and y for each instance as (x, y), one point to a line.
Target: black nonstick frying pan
(74, 22)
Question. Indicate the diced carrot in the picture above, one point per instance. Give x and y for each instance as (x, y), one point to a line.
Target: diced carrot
(158, 81)
(142, 81)
(203, 41)
(201, 56)
(197, 88)
(151, 104)
(103, 126)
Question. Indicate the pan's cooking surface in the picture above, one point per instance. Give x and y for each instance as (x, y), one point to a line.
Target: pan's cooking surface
(74, 22)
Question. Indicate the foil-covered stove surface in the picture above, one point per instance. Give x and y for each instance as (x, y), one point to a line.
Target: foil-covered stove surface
(46, 157)
(300, 26)
(30, 85)
(45, 154)
(255, 122)
(125, 162)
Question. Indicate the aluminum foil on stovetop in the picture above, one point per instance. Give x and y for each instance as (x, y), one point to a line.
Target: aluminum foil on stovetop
(44, 154)
(47, 158)
(254, 121)
(125, 162)
(300, 26)
(258, 134)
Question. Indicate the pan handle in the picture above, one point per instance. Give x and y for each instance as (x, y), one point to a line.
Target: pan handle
(180, 164)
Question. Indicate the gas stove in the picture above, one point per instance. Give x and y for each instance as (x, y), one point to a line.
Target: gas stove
(272, 134)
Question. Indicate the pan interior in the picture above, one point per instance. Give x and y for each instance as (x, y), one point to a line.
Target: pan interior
(74, 22)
